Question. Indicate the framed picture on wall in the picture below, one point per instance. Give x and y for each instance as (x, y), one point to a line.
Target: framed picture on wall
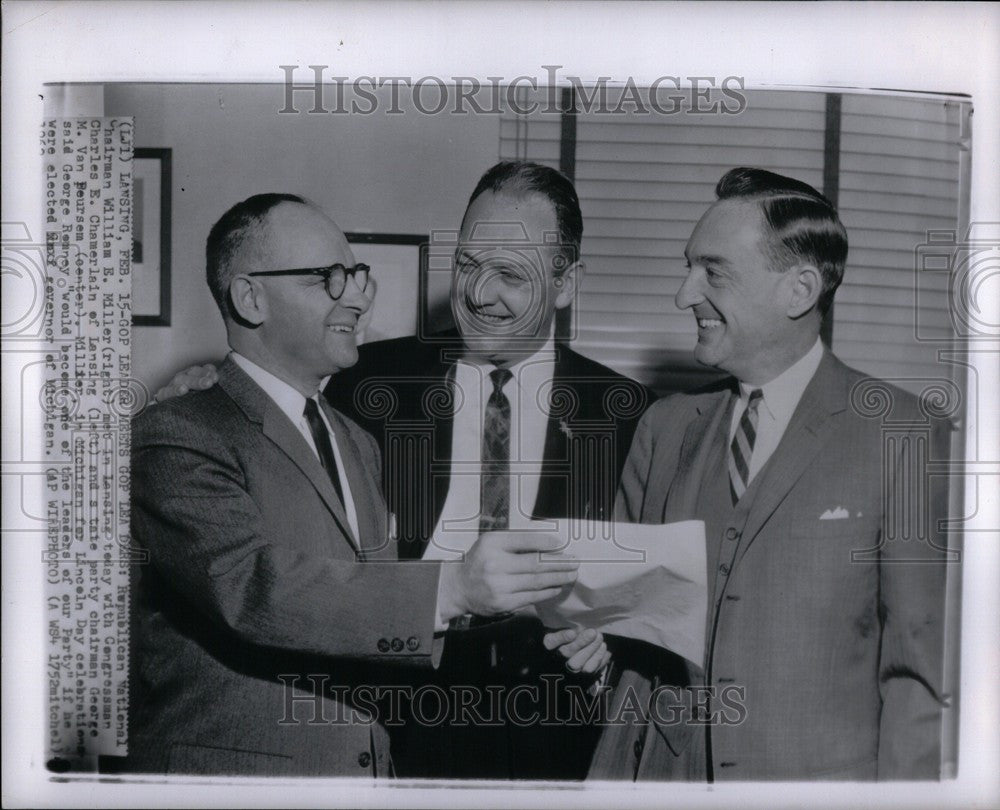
(151, 214)
(398, 263)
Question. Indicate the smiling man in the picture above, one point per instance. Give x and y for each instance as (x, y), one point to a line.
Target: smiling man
(824, 641)
(491, 425)
(272, 590)
(483, 428)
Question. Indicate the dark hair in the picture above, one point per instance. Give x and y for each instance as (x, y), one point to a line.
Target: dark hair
(520, 178)
(803, 224)
(228, 235)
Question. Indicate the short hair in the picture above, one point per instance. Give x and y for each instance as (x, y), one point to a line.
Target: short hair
(228, 235)
(521, 177)
(803, 224)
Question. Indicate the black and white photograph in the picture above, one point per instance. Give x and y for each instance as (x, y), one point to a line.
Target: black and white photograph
(519, 429)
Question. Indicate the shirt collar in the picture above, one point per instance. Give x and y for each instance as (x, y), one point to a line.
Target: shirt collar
(540, 365)
(782, 394)
(541, 361)
(285, 396)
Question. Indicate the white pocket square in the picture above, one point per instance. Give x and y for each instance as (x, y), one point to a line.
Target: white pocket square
(835, 514)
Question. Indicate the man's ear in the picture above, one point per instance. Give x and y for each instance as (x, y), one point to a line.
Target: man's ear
(806, 286)
(568, 284)
(248, 300)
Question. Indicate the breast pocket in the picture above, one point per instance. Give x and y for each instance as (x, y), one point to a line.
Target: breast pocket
(857, 536)
(814, 528)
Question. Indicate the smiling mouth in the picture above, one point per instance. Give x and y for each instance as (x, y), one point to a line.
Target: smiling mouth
(708, 323)
(493, 319)
(343, 327)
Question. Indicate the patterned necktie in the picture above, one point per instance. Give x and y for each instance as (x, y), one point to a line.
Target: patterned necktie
(741, 448)
(321, 438)
(494, 478)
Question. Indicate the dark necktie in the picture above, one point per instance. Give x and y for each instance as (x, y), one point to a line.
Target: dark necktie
(494, 479)
(321, 438)
(741, 448)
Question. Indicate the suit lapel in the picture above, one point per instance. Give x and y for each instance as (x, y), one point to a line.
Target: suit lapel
(552, 499)
(806, 434)
(260, 408)
(286, 436)
(367, 501)
(436, 467)
(704, 440)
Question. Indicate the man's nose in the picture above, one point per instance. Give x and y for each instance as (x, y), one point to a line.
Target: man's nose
(482, 288)
(689, 293)
(353, 296)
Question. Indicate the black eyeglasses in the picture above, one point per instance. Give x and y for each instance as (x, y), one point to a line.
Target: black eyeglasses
(335, 276)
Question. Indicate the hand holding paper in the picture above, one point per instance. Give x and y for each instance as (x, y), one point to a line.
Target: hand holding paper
(642, 582)
(639, 581)
(503, 572)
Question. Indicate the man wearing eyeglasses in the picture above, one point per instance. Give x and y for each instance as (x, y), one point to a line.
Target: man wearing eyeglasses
(485, 427)
(273, 593)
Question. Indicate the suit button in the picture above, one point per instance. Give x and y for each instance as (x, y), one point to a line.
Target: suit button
(412, 643)
(364, 759)
(383, 645)
(724, 568)
(397, 644)
(732, 534)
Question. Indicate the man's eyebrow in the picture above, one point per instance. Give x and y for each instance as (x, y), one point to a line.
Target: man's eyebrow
(707, 258)
(463, 255)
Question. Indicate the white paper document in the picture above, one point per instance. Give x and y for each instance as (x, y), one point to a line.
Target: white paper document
(643, 582)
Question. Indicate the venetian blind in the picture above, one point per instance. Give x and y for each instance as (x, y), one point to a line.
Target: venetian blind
(899, 179)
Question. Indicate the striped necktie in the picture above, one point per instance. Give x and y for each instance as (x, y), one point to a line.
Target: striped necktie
(741, 448)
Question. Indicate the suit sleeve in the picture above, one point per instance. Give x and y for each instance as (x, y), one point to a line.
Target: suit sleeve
(912, 602)
(207, 540)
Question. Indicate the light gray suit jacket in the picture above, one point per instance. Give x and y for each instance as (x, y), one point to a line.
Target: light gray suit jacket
(254, 584)
(824, 637)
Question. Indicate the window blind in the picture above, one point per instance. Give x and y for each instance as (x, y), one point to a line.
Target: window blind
(899, 178)
(644, 180)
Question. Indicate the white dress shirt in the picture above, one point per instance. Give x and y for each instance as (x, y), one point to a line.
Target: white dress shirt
(293, 405)
(780, 398)
(528, 392)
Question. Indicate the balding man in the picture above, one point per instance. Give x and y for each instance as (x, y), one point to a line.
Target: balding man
(486, 426)
(273, 594)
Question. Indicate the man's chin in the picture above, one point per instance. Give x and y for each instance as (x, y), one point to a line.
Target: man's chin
(706, 355)
(501, 351)
(344, 359)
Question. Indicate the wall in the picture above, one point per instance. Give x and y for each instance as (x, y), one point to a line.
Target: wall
(407, 173)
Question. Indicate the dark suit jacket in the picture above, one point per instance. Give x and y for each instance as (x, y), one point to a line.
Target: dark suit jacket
(253, 583)
(400, 392)
(824, 642)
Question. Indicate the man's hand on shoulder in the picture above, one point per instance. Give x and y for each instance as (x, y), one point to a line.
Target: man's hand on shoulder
(195, 378)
